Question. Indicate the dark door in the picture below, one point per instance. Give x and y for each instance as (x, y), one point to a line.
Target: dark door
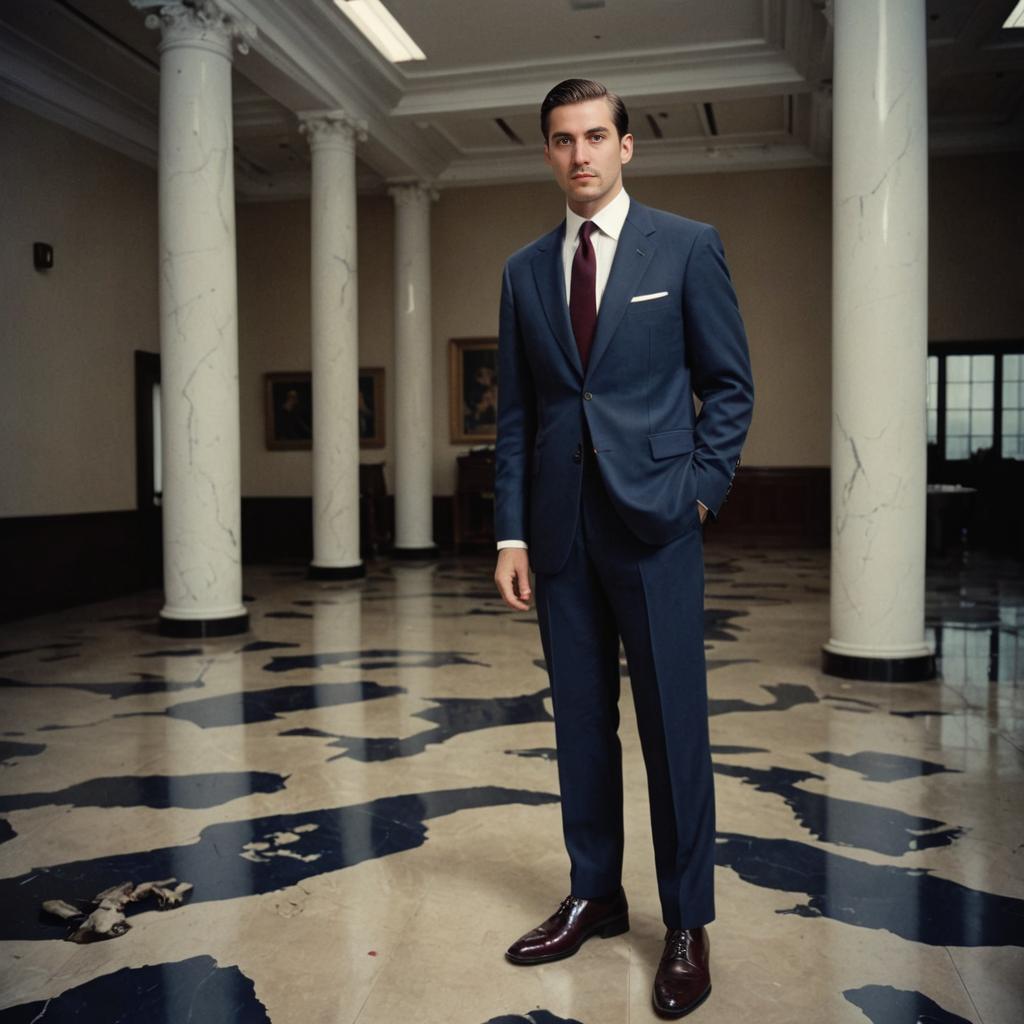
(148, 469)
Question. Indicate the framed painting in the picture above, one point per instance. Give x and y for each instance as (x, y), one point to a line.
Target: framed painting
(288, 399)
(372, 414)
(473, 389)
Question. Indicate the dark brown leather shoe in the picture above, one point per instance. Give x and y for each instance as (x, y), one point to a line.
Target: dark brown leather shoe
(575, 921)
(683, 980)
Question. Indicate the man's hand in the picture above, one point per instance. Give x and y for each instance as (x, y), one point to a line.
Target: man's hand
(702, 512)
(512, 577)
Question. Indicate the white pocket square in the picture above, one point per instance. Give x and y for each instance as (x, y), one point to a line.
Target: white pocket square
(647, 298)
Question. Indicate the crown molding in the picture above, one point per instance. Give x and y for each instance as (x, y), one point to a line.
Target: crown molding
(716, 76)
(314, 46)
(36, 79)
(670, 159)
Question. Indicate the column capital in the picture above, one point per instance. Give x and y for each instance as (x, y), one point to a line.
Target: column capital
(201, 23)
(410, 193)
(331, 128)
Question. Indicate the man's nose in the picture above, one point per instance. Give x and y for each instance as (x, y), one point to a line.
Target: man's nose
(579, 154)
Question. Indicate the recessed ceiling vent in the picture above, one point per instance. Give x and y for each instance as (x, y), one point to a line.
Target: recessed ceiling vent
(585, 5)
(507, 129)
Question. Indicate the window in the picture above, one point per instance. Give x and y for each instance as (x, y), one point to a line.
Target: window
(976, 400)
(933, 399)
(1013, 406)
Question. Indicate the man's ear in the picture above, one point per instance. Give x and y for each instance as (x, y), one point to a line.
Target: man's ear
(547, 154)
(627, 148)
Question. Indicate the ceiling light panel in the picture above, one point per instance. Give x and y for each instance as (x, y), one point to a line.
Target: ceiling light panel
(381, 28)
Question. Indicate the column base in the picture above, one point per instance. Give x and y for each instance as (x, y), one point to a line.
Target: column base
(917, 669)
(194, 628)
(337, 572)
(428, 554)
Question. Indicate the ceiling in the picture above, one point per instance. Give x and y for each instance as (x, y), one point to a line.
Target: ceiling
(710, 86)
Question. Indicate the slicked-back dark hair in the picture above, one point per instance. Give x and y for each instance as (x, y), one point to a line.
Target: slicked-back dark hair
(579, 90)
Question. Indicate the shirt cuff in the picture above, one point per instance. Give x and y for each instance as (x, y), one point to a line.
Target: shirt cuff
(511, 544)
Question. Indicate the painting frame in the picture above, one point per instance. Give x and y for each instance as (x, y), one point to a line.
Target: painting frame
(372, 407)
(473, 390)
(288, 410)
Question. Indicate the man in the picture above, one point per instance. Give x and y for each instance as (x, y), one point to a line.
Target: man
(610, 325)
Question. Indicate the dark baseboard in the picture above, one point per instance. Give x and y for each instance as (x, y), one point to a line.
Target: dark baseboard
(776, 506)
(54, 562)
(277, 529)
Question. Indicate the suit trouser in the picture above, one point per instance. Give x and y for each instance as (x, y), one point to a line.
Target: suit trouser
(615, 585)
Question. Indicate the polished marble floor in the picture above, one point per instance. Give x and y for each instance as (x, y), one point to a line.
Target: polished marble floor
(363, 793)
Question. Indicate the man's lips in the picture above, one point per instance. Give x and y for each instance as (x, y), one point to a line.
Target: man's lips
(578, 177)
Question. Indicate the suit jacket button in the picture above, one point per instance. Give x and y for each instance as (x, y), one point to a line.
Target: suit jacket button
(577, 456)
(587, 396)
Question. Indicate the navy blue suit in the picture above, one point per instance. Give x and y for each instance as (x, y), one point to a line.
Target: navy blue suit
(600, 473)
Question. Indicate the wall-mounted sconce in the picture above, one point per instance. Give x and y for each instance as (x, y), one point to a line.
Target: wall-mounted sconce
(42, 256)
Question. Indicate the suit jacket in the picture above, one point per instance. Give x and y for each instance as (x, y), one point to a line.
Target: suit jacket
(635, 402)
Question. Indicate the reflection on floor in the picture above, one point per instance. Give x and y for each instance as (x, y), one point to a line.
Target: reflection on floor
(363, 792)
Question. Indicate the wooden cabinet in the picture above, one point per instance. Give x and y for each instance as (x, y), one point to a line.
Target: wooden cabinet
(374, 528)
(474, 500)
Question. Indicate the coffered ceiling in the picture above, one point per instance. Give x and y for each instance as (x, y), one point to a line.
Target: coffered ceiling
(710, 86)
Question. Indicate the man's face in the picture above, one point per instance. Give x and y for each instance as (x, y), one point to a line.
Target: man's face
(585, 152)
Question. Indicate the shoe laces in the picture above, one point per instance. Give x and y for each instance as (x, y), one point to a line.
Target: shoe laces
(568, 904)
(678, 945)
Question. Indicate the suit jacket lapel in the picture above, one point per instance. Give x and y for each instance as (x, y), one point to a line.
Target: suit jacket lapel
(633, 255)
(549, 274)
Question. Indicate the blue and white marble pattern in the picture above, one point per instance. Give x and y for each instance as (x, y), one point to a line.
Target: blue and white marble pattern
(363, 793)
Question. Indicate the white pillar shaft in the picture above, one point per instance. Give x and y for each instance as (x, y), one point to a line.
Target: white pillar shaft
(879, 330)
(335, 354)
(413, 389)
(198, 319)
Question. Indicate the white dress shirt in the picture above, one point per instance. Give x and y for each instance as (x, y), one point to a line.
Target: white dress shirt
(605, 240)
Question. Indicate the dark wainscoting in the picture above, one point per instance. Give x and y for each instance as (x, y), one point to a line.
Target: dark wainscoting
(778, 506)
(276, 529)
(53, 562)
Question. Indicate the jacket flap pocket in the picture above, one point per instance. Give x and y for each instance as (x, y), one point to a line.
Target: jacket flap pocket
(671, 442)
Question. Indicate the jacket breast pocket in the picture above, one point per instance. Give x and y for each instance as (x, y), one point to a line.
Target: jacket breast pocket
(669, 443)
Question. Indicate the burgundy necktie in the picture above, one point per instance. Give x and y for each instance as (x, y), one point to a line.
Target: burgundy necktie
(583, 293)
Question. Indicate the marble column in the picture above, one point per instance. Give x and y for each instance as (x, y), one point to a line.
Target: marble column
(332, 136)
(413, 384)
(879, 342)
(199, 321)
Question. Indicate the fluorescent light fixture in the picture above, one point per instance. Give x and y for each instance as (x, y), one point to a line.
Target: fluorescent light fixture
(379, 26)
(1016, 17)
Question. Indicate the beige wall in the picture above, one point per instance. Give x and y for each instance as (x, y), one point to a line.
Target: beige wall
(274, 325)
(67, 335)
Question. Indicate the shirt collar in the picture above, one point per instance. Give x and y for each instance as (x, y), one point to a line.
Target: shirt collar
(608, 220)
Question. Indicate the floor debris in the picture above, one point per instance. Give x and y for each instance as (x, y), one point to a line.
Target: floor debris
(107, 919)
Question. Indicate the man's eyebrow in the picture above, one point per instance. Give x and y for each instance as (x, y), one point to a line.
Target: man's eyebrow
(589, 131)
